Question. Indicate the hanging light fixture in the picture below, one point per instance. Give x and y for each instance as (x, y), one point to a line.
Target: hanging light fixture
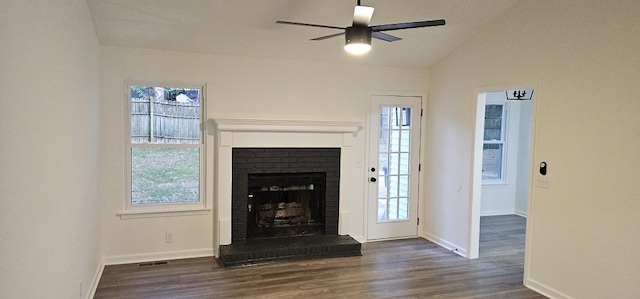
(519, 94)
(357, 40)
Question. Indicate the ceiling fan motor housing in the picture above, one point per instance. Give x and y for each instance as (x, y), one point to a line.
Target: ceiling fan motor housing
(358, 35)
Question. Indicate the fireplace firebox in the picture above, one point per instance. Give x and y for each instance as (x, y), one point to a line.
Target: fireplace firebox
(285, 205)
(283, 192)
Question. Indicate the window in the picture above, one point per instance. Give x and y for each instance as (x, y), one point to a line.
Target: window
(494, 144)
(165, 148)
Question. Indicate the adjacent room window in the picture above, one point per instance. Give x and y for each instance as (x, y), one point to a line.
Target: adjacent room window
(493, 149)
(165, 152)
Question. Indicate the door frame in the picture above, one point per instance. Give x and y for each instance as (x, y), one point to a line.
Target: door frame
(367, 154)
(476, 166)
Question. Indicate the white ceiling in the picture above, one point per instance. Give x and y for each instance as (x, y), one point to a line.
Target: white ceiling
(248, 27)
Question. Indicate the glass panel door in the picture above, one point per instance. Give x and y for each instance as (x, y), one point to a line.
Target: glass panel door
(394, 159)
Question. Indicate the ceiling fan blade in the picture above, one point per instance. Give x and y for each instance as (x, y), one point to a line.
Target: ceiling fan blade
(407, 25)
(384, 36)
(362, 15)
(328, 36)
(306, 24)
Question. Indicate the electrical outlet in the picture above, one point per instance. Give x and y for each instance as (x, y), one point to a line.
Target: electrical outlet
(168, 237)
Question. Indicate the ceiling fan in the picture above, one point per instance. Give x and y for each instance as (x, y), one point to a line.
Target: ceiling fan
(358, 35)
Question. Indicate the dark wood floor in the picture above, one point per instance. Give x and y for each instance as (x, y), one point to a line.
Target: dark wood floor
(411, 268)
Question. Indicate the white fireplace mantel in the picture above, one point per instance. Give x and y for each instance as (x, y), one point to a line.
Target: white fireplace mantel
(264, 133)
(270, 125)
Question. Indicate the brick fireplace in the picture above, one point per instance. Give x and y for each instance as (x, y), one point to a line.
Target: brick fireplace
(250, 147)
(237, 134)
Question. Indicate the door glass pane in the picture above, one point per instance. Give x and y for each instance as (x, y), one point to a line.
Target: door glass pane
(394, 163)
(384, 118)
(393, 209)
(395, 141)
(403, 211)
(393, 185)
(394, 160)
(404, 163)
(404, 140)
(403, 186)
(382, 209)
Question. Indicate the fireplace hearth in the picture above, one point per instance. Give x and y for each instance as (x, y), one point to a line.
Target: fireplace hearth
(248, 252)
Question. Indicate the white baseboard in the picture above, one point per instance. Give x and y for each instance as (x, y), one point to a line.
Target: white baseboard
(446, 244)
(545, 290)
(504, 212)
(157, 256)
(216, 251)
(360, 239)
(521, 213)
(94, 283)
(497, 213)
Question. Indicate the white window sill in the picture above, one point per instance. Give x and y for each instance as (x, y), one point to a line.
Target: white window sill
(168, 213)
(494, 183)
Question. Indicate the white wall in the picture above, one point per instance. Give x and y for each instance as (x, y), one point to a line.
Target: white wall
(583, 56)
(237, 87)
(49, 166)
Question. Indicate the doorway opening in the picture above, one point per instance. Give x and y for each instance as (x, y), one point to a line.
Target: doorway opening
(502, 163)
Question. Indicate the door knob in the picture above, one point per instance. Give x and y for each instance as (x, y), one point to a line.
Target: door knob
(373, 169)
(373, 179)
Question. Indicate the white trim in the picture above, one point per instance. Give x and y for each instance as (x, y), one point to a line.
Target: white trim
(94, 283)
(271, 125)
(160, 213)
(497, 213)
(476, 176)
(532, 162)
(520, 213)
(130, 211)
(459, 250)
(157, 256)
(545, 290)
(360, 239)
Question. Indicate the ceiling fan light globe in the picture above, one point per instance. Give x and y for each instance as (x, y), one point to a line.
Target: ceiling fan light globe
(357, 48)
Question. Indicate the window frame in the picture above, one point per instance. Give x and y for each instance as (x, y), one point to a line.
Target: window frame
(503, 141)
(130, 210)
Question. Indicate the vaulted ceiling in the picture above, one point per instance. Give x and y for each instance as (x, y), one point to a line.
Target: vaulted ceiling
(248, 27)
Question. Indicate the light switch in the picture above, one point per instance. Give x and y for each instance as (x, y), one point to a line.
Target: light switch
(543, 181)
